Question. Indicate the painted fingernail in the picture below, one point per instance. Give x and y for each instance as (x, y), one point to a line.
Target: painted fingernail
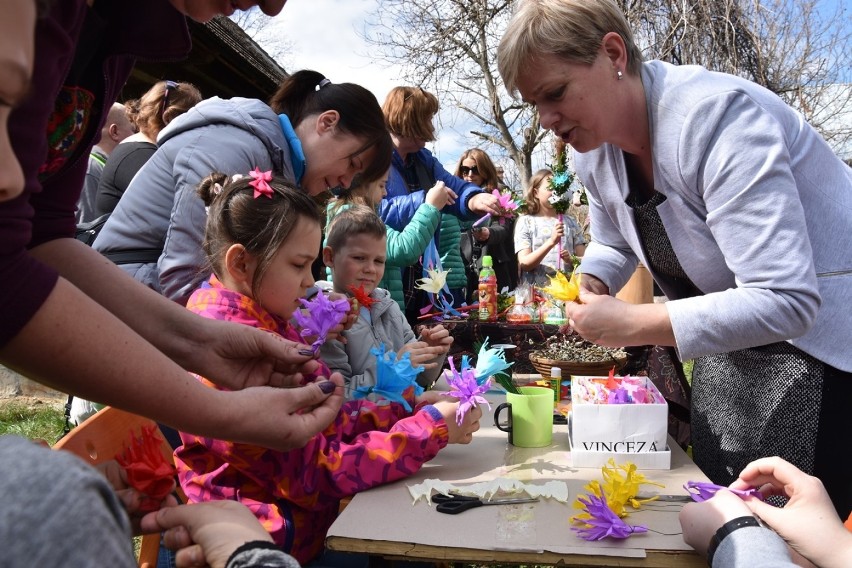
(327, 387)
(306, 352)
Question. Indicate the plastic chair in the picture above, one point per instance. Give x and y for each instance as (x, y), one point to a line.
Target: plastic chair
(100, 438)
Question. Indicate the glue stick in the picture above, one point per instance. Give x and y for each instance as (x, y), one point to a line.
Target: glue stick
(556, 383)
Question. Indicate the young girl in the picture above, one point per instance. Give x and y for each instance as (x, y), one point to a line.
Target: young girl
(539, 233)
(260, 242)
(405, 246)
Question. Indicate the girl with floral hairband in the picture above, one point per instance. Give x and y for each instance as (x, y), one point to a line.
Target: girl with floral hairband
(262, 235)
(314, 133)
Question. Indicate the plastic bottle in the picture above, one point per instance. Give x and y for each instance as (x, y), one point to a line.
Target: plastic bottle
(519, 312)
(556, 384)
(487, 291)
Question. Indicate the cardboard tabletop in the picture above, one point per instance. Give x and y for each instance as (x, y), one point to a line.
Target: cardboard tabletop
(384, 520)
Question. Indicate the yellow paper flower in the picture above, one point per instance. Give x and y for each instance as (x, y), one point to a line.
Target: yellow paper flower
(620, 487)
(563, 289)
(434, 282)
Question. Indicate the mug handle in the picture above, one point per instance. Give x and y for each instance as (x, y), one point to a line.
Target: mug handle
(500, 407)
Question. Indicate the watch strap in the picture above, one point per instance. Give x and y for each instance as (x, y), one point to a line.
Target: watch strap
(725, 530)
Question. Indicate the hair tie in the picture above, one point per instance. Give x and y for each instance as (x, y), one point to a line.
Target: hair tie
(323, 83)
(217, 188)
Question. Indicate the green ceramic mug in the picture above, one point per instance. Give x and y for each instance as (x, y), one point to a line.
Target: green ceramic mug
(530, 419)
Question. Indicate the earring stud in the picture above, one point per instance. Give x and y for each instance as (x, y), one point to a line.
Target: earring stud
(619, 74)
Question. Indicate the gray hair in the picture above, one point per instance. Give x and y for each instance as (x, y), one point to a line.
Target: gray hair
(572, 29)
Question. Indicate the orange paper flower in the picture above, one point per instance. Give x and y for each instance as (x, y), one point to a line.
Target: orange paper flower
(147, 469)
(362, 296)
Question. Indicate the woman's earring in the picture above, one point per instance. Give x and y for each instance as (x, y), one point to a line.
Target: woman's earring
(619, 74)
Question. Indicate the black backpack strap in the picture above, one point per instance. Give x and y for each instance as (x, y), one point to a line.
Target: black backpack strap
(134, 256)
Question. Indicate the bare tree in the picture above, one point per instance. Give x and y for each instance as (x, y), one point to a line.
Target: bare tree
(788, 46)
(449, 47)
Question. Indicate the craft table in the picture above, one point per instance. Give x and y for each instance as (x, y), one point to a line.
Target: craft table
(384, 522)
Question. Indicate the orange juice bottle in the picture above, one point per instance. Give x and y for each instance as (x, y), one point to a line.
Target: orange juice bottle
(487, 291)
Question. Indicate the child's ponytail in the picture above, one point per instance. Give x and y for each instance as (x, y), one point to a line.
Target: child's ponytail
(211, 186)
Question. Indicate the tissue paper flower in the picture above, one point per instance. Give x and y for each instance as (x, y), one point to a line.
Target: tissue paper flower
(620, 487)
(505, 201)
(489, 362)
(701, 491)
(393, 377)
(147, 470)
(320, 316)
(364, 299)
(467, 389)
(601, 522)
(563, 289)
(433, 283)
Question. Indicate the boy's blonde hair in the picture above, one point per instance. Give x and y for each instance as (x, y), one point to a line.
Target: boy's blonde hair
(353, 221)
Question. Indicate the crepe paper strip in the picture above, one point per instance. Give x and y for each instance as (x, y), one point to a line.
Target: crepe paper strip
(393, 377)
(441, 313)
(489, 362)
(320, 316)
(467, 389)
(487, 490)
(602, 522)
(364, 299)
(561, 288)
(148, 471)
(260, 182)
(481, 220)
(611, 383)
(700, 491)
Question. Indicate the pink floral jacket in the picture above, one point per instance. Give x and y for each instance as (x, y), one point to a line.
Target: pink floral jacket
(296, 494)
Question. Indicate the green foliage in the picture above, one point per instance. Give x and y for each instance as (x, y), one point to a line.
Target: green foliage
(33, 420)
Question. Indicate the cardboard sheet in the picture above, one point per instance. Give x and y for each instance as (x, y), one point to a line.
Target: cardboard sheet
(386, 514)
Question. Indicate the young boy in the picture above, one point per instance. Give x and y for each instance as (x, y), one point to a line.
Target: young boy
(355, 251)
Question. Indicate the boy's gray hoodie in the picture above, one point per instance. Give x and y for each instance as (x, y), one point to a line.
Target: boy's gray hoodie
(161, 210)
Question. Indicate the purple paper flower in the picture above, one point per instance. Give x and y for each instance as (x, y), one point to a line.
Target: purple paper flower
(467, 390)
(320, 316)
(619, 396)
(700, 491)
(603, 522)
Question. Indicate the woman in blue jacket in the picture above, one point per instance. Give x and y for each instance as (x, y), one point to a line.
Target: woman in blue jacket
(408, 113)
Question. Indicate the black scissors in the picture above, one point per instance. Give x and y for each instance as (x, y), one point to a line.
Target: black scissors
(455, 504)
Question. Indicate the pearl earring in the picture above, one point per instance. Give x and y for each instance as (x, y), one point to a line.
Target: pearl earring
(620, 75)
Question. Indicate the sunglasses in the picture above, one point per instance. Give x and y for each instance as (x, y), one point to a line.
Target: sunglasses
(465, 170)
(169, 86)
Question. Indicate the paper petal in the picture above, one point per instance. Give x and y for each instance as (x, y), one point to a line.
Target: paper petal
(319, 317)
(147, 469)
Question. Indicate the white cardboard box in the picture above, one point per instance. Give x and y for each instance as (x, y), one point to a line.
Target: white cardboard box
(660, 459)
(620, 428)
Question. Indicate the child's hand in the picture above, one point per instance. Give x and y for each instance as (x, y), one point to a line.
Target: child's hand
(459, 434)
(437, 336)
(431, 397)
(422, 354)
(440, 196)
(558, 232)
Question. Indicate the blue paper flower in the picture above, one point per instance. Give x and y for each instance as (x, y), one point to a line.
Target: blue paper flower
(489, 362)
(393, 377)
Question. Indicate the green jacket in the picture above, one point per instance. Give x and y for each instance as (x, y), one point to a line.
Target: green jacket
(449, 249)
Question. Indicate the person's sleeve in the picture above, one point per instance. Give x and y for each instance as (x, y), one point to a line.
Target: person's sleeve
(380, 443)
(752, 547)
(333, 353)
(523, 237)
(406, 247)
(498, 234)
(399, 206)
(183, 266)
(735, 152)
(260, 554)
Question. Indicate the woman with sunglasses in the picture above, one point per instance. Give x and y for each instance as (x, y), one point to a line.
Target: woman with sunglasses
(315, 133)
(409, 112)
(163, 102)
(493, 238)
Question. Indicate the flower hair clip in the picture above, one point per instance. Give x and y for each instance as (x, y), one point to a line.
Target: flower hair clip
(260, 183)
